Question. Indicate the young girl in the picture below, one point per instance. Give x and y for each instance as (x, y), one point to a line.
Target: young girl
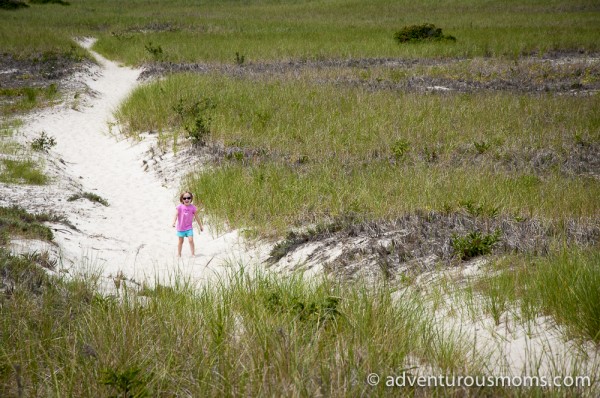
(185, 214)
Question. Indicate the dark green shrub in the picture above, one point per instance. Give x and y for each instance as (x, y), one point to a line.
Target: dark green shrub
(43, 143)
(196, 118)
(156, 52)
(424, 32)
(128, 384)
(478, 210)
(239, 58)
(474, 244)
(481, 146)
(199, 131)
(61, 2)
(12, 5)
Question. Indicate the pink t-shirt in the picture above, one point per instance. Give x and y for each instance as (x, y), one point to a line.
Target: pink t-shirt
(185, 217)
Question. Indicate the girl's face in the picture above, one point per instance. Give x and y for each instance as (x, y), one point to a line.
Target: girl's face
(187, 198)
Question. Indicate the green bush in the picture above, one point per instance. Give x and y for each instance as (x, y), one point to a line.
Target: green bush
(61, 2)
(196, 118)
(129, 383)
(12, 5)
(416, 33)
(43, 143)
(474, 244)
(400, 148)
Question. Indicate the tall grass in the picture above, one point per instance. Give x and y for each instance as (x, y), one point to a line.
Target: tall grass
(565, 285)
(302, 118)
(263, 30)
(274, 198)
(252, 334)
(302, 151)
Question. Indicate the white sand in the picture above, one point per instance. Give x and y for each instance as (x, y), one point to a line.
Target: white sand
(133, 236)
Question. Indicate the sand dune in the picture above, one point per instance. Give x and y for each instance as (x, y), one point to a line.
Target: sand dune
(133, 236)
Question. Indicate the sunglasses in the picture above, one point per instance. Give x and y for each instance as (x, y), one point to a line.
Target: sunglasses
(187, 198)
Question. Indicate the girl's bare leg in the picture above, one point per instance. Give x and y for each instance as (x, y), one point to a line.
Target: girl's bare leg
(192, 247)
(179, 246)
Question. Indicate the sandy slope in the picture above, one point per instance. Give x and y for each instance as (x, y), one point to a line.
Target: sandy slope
(133, 236)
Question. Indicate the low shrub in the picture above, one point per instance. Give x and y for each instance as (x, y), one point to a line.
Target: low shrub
(474, 244)
(12, 5)
(43, 143)
(424, 32)
(196, 118)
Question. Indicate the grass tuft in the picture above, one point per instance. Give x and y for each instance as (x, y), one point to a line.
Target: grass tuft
(92, 197)
(21, 172)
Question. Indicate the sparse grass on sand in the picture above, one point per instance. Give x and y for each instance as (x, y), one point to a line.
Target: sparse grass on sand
(565, 285)
(248, 334)
(14, 221)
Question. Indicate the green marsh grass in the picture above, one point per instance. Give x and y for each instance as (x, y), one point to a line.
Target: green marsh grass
(299, 117)
(274, 198)
(25, 99)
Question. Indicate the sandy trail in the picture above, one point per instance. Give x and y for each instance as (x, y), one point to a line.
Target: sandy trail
(133, 236)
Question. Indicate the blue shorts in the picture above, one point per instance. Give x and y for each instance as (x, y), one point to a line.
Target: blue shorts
(187, 233)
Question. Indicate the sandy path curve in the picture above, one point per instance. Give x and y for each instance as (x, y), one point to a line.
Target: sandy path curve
(133, 235)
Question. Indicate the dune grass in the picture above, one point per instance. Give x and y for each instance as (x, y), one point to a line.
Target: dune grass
(21, 172)
(564, 285)
(273, 198)
(300, 151)
(25, 99)
(251, 334)
(266, 30)
(302, 118)
(15, 221)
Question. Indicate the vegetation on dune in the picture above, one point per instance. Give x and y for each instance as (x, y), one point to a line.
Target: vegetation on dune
(296, 151)
(15, 221)
(261, 30)
(564, 284)
(320, 125)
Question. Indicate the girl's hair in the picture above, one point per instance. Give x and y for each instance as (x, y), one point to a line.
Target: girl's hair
(183, 193)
